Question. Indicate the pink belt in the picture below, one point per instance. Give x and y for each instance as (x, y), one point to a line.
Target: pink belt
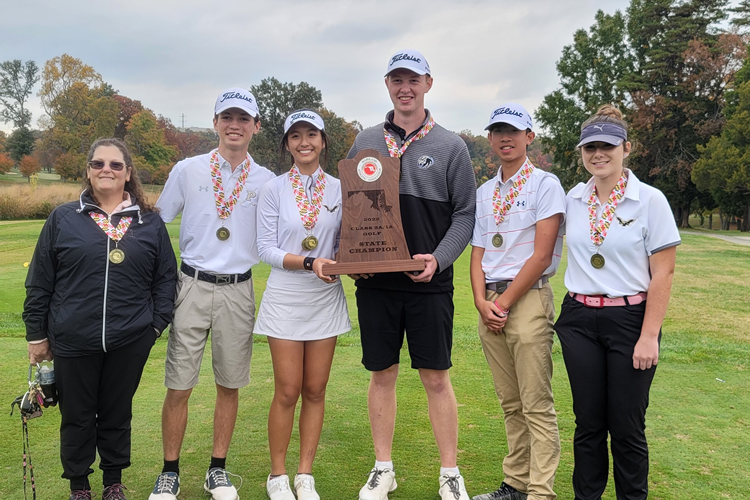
(600, 301)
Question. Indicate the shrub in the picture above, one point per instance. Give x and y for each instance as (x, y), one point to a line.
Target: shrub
(6, 163)
(29, 165)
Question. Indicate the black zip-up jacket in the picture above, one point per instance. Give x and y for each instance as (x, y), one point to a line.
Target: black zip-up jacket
(85, 304)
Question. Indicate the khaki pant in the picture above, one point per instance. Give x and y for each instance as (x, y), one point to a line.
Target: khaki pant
(520, 359)
(228, 313)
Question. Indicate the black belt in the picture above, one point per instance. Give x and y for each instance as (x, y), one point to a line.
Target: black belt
(216, 279)
(500, 286)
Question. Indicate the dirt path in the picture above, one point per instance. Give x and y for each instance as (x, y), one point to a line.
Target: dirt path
(740, 240)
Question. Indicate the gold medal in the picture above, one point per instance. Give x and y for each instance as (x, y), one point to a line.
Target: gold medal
(597, 261)
(497, 240)
(310, 243)
(116, 256)
(222, 233)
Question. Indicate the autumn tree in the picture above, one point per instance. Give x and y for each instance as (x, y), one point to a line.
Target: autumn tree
(276, 100)
(80, 106)
(188, 142)
(341, 134)
(590, 70)
(128, 107)
(28, 165)
(146, 141)
(6, 163)
(683, 67)
(724, 166)
(70, 166)
(59, 76)
(482, 158)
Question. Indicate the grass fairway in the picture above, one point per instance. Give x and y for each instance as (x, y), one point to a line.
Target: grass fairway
(698, 422)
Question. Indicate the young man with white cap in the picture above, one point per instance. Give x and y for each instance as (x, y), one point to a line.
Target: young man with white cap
(516, 247)
(217, 195)
(437, 197)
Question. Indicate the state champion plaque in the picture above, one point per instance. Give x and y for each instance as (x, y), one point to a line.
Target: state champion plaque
(372, 236)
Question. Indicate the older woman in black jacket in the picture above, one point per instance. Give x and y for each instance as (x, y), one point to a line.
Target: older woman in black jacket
(100, 290)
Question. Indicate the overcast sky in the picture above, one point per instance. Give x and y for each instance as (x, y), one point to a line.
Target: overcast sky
(176, 56)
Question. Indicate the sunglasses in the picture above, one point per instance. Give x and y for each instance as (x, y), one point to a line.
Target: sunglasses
(114, 165)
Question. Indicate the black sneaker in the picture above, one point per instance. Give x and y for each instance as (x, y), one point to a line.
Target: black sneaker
(114, 492)
(80, 495)
(505, 492)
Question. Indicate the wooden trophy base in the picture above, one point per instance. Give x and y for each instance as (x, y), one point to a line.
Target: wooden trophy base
(384, 266)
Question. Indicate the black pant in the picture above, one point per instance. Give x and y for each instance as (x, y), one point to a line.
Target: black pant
(96, 401)
(609, 396)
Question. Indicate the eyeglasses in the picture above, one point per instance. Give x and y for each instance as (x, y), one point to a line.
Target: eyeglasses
(114, 165)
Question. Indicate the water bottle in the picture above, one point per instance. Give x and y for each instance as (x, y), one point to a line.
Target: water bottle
(46, 373)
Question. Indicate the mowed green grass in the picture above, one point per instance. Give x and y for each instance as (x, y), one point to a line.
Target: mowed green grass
(698, 421)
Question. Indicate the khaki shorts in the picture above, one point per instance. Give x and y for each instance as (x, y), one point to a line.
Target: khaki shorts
(228, 312)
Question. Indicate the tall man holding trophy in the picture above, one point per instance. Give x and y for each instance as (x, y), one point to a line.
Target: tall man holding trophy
(437, 200)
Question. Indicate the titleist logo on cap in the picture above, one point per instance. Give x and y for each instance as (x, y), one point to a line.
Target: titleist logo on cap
(235, 95)
(507, 111)
(402, 57)
(301, 115)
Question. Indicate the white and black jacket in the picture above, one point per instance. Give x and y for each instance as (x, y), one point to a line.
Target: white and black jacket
(85, 304)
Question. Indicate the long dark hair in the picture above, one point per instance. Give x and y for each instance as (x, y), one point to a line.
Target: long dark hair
(133, 186)
(285, 141)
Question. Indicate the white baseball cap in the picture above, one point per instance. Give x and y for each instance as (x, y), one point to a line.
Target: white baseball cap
(237, 98)
(304, 115)
(513, 114)
(411, 60)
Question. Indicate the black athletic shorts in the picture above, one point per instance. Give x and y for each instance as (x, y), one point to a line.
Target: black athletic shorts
(427, 319)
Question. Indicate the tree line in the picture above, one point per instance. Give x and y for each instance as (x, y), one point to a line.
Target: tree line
(81, 107)
(680, 71)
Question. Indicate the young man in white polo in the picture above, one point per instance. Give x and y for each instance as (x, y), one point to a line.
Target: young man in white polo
(437, 198)
(516, 247)
(217, 195)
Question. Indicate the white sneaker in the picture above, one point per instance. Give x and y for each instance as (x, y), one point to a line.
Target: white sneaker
(304, 485)
(380, 482)
(452, 487)
(219, 486)
(278, 488)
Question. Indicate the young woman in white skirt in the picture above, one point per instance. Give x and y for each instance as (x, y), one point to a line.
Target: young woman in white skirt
(302, 311)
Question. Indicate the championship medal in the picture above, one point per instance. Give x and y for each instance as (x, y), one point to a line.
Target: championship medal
(222, 233)
(501, 206)
(394, 150)
(597, 261)
(310, 243)
(116, 256)
(308, 209)
(599, 228)
(225, 204)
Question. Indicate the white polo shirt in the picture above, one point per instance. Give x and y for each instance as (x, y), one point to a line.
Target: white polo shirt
(189, 190)
(540, 198)
(643, 225)
(280, 229)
